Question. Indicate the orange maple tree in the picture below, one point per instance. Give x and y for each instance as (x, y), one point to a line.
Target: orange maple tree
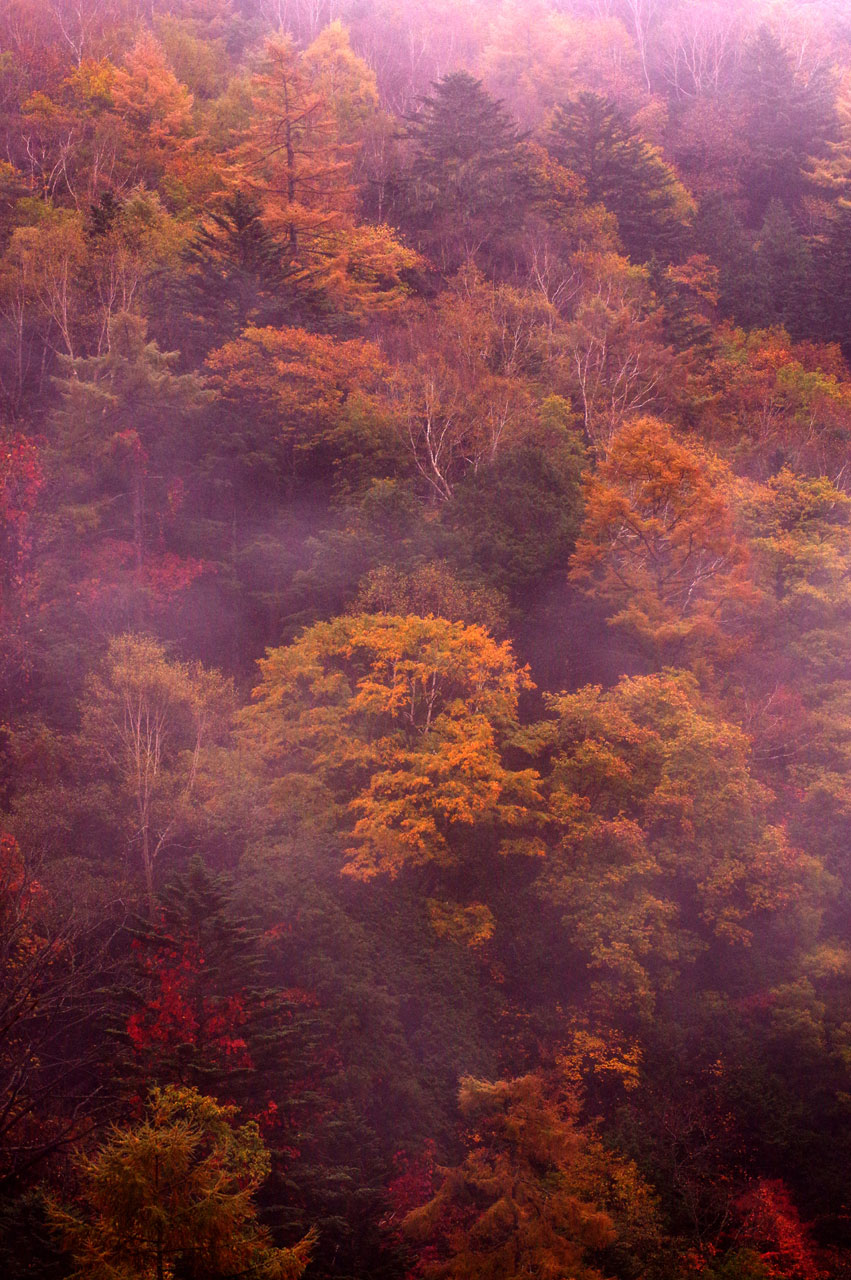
(659, 544)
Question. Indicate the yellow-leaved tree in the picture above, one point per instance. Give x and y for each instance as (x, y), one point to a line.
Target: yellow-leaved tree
(145, 721)
(664, 847)
(400, 722)
(174, 1195)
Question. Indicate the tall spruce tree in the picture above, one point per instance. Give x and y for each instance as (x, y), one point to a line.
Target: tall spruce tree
(208, 1011)
(785, 264)
(834, 278)
(788, 118)
(236, 273)
(591, 137)
(721, 234)
(464, 194)
(120, 432)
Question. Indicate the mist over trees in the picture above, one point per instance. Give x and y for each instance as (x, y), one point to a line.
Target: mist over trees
(425, 599)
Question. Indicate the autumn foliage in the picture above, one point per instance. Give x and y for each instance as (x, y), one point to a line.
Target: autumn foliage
(425, 599)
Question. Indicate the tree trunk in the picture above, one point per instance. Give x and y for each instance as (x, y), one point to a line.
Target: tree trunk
(138, 510)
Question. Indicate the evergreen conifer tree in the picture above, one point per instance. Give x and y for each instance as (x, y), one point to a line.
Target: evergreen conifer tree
(834, 278)
(237, 273)
(208, 1011)
(788, 119)
(465, 191)
(591, 137)
(785, 265)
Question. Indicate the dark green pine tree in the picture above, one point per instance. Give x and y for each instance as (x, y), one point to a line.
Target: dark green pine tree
(720, 233)
(465, 192)
(834, 278)
(235, 273)
(685, 322)
(785, 265)
(208, 1012)
(788, 119)
(120, 432)
(591, 137)
(217, 1005)
(516, 544)
(103, 214)
(767, 279)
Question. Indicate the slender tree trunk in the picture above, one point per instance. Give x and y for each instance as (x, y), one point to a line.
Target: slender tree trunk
(160, 1258)
(148, 863)
(289, 148)
(138, 511)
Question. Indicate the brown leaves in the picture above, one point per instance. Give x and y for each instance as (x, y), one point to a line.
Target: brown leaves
(300, 379)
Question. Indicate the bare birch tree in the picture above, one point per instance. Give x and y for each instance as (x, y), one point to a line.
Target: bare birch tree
(149, 719)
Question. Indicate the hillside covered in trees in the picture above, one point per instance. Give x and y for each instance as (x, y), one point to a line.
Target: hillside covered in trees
(425, 674)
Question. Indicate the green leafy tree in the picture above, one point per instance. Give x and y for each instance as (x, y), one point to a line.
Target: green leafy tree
(800, 535)
(431, 588)
(664, 846)
(516, 542)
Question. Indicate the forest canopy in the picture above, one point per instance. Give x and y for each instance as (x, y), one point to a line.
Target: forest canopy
(425, 599)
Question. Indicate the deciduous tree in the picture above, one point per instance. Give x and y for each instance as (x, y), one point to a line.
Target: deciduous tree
(146, 720)
(401, 722)
(536, 1195)
(659, 543)
(21, 478)
(175, 1192)
(664, 841)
